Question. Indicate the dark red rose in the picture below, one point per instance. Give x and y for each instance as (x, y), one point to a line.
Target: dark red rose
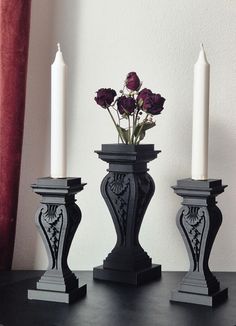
(132, 81)
(145, 93)
(126, 105)
(153, 104)
(105, 96)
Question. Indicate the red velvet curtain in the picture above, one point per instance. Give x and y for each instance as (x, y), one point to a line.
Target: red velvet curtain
(14, 42)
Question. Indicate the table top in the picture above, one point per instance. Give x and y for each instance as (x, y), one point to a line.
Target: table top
(110, 304)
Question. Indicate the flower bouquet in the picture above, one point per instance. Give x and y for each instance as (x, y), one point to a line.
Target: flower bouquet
(133, 111)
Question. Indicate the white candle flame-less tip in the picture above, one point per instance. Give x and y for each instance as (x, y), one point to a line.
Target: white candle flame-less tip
(58, 47)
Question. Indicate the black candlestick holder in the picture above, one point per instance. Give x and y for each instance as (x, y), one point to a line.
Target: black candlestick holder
(198, 221)
(57, 219)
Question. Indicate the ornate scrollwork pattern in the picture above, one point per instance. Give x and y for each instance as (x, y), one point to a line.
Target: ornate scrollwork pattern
(146, 189)
(117, 184)
(51, 221)
(122, 188)
(193, 222)
(117, 190)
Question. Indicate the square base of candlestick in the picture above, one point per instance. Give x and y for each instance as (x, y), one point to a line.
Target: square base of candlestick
(194, 298)
(55, 296)
(128, 277)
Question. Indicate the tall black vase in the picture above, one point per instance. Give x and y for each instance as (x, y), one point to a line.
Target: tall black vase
(127, 190)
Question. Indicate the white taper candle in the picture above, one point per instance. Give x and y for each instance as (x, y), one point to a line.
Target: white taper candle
(58, 116)
(200, 117)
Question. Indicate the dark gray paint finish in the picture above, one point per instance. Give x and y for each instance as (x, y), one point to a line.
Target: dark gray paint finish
(57, 219)
(127, 190)
(198, 221)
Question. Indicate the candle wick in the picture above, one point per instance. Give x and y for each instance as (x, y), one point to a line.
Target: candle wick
(202, 47)
(58, 47)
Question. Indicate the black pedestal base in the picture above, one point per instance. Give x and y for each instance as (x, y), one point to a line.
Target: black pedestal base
(55, 296)
(205, 300)
(128, 277)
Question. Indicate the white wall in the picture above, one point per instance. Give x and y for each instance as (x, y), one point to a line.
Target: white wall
(102, 41)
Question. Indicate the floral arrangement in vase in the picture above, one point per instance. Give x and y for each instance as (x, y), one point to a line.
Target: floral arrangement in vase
(133, 111)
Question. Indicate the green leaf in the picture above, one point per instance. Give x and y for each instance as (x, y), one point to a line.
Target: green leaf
(141, 128)
(149, 125)
(124, 133)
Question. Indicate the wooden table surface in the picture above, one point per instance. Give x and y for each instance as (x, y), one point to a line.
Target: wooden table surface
(110, 304)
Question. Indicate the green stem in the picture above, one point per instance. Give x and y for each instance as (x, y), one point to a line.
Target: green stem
(135, 118)
(119, 133)
(129, 133)
(137, 141)
(119, 119)
(134, 125)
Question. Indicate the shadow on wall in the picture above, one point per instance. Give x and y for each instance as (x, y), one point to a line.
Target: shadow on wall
(36, 142)
(221, 156)
(222, 164)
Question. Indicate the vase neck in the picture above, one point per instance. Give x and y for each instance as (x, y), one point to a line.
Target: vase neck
(134, 167)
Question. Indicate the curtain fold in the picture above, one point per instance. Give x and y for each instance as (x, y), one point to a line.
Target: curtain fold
(14, 43)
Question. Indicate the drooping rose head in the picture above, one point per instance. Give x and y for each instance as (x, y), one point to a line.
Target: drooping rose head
(142, 96)
(126, 105)
(105, 97)
(153, 104)
(132, 81)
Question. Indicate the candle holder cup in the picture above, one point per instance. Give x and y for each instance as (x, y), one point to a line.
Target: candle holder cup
(198, 221)
(57, 220)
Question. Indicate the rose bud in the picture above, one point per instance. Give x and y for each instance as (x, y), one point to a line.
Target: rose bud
(105, 96)
(126, 105)
(142, 96)
(154, 104)
(132, 81)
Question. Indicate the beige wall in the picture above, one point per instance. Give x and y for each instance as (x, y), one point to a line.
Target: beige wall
(102, 41)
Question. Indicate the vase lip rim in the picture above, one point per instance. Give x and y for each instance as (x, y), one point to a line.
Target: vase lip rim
(127, 148)
(127, 154)
(121, 144)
